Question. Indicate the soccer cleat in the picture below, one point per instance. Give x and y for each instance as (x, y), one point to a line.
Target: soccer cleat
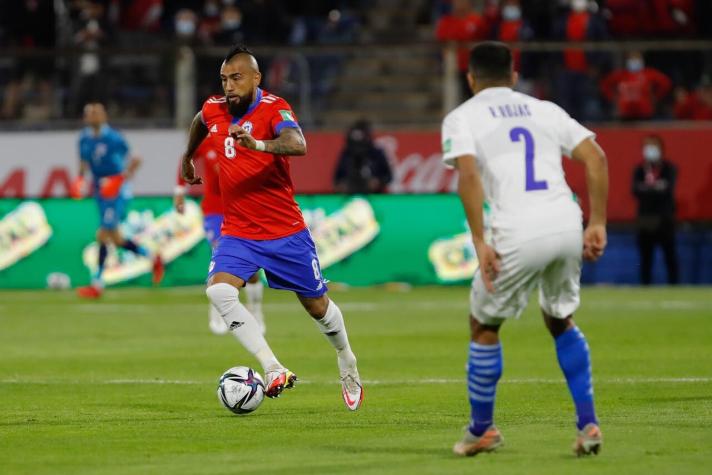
(351, 389)
(589, 440)
(158, 270)
(471, 445)
(89, 292)
(279, 380)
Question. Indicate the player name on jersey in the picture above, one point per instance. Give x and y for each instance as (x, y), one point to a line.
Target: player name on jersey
(507, 111)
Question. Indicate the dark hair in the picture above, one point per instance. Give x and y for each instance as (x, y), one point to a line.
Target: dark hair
(658, 139)
(491, 61)
(239, 49)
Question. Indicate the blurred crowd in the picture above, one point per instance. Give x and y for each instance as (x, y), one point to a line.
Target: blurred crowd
(593, 85)
(29, 80)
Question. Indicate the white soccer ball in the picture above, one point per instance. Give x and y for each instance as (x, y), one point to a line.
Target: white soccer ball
(58, 281)
(241, 389)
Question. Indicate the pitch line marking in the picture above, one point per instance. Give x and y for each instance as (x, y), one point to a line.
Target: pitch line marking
(377, 382)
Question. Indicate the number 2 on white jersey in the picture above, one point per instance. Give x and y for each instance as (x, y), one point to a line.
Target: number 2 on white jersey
(229, 147)
(532, 184)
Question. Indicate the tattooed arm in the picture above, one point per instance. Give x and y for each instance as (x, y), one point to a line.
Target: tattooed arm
(290, 141)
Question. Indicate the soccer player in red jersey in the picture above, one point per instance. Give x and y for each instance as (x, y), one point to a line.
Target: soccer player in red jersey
(213, 217)
(255, 133)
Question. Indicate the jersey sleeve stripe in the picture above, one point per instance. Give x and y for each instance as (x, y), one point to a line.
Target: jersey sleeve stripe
(285, 124)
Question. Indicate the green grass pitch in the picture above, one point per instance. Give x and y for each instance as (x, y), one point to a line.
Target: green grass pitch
(127, 385)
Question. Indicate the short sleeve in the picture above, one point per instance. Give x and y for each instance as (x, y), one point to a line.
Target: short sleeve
(282, 117)
(457, 139)
(569, 132)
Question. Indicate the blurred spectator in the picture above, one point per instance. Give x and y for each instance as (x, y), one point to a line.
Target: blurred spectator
(512, 28)
(628, 18)
(363, 167)
(231, 30)
(90, 33)
(654, 187)
(463, 25)
(672, 18)
(140, 15)
(635, 18)
(30, 25)
(635, 90)
(575, 86)
(309, 17)
(695, 105)
(185, 24)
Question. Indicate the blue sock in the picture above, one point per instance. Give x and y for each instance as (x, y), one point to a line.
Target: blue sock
(575, 361)
(103, 251)
(484, 369)
(129, 245)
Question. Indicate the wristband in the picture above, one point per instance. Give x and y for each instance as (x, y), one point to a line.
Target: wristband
(260, 145)
(179, 190)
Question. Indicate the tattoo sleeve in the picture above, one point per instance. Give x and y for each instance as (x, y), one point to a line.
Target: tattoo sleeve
(198, 131)
(290, 142)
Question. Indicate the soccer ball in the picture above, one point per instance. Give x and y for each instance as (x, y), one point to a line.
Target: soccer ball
(241, 389)
(58, 281)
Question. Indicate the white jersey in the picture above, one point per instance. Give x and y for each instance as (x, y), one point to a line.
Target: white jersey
(518, 142)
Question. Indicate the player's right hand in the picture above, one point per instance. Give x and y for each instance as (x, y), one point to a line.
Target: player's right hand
(188, 172)
(594, 241)
(76, 189)
(179, 202)
(490, 264)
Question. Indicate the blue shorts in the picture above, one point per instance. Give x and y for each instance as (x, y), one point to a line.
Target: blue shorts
(212, 224)
(112, 212)
(290, 263)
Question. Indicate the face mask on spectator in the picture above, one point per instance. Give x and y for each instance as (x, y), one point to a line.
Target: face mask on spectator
(511, 13)
(231, 24)
(579, 5)
(185, 27)
(651, 153)
(634, 65)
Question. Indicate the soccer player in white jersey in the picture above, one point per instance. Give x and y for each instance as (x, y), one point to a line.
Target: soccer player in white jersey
(507, 148)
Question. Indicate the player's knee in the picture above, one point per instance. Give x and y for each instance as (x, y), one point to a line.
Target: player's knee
(557, 326)
(316, 307)
(223, 296)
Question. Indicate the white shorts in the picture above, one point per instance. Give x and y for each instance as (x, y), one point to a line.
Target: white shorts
(552, 262)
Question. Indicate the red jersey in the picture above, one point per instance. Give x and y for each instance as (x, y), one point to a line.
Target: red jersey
(636, 93)
(471, 27)
(205, 160)
(256, 187)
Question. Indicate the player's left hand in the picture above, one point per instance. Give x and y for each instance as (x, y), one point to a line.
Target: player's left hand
(594, 241)
(242, 136)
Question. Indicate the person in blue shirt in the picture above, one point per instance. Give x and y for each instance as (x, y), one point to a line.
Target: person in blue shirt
(104, 153)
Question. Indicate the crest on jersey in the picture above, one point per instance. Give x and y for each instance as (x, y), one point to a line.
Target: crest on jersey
(247, 125)
(214, 128)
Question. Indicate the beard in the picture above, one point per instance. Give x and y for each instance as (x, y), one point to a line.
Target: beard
(240, 108)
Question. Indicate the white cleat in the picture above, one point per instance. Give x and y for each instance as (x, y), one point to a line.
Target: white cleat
(351, 388)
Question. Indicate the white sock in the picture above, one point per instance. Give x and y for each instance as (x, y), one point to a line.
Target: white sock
(333, 328)
(254, 294)
(242, 324)
(215, 320)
